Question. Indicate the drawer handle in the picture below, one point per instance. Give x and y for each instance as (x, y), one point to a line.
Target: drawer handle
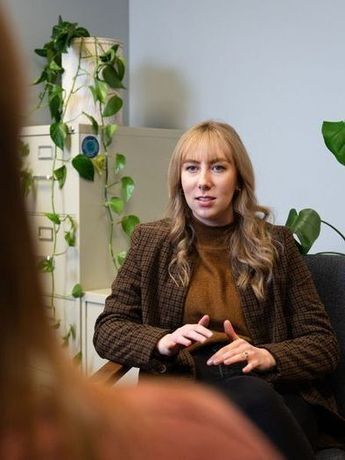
(42, 177)
(45, 233)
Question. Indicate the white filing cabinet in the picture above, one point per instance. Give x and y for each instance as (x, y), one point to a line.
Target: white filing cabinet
(147, 152)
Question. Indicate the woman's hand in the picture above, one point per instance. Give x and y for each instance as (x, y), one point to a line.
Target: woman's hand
(184, 336)
(240, 350)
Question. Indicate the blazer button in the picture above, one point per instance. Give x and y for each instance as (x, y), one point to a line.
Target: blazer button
(162, 369)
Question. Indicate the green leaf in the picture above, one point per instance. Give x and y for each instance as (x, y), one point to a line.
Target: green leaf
(84, 166)
(110, 55)
(128, 224)
(306, 226)
(77, 291)
(70, 238)
(41, 78)
(53, 217)
(46, 265)
(113, 106)
(70, 235)
(108, 133)
(127, 187)
(60, 175)
(101, 91)
(334, 136)
(93, 123)
(59, 133)
(41, 52)
(116, 204)
(99, 163)
(120, 67)
(120, 162)
(112, 77)
(120, 257)
(27, 181)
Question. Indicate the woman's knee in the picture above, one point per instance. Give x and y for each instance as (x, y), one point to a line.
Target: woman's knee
(251, 393)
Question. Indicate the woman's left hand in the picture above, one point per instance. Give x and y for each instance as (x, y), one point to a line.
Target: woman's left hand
(239, 350)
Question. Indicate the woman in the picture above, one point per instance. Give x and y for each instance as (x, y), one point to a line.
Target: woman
(218, 294)
(48, 411)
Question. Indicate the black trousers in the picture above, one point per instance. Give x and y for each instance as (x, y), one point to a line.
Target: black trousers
(286, 419)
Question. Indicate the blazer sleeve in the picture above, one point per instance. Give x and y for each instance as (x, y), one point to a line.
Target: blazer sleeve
(311, 351)
(120, 334)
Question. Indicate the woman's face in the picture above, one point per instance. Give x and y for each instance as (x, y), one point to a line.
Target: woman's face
(209, 182)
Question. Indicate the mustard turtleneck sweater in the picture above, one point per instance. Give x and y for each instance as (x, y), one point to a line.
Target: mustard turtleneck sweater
(212, 289)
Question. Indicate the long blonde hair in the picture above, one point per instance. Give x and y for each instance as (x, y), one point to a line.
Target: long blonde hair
(252, 252)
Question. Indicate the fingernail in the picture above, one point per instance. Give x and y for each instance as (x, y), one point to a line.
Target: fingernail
(209, 362)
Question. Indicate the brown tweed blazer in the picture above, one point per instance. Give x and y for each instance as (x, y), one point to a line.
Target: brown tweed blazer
(291, 322)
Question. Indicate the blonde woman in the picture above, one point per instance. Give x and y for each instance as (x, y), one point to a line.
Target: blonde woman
(217, 294)
(47, 410)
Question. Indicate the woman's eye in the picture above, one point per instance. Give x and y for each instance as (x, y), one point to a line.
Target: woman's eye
(218, 168)
(191, 168)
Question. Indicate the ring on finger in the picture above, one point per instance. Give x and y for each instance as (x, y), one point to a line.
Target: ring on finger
(245, 354)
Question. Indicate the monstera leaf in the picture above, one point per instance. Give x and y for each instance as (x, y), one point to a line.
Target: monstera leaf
(306, 226)
(334, 136)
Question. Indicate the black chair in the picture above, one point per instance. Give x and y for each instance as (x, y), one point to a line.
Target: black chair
(328, 272)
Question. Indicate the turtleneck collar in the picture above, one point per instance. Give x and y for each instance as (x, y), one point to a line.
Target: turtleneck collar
(211, 237)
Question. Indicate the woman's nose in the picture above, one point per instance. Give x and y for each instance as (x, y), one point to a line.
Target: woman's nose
(204, 181)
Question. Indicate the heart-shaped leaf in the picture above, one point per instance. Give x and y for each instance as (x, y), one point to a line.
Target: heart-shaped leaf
(77, 291)
(53, 217)
(112, 77)
(93, 122)
(116, 204)
(108, 133)
(129, 223)
(84, 166)
(127, 187)
(120, 162)
(60, 175)
(120, 257)
(59, 133)
(113, 106)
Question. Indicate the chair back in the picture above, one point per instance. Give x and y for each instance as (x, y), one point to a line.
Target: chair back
(328, 272)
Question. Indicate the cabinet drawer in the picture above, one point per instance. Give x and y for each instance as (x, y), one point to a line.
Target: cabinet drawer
(66, 272)
(40, 162)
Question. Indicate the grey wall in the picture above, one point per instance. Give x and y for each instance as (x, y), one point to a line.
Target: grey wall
(273, 69)
(33, 21)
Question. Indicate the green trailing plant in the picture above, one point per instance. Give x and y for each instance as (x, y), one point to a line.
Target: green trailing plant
(107, 80)
(25, 173)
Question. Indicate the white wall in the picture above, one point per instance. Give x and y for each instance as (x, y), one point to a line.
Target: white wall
(32, 25)
(271, 68)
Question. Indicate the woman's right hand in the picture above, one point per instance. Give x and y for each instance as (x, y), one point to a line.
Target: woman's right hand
(184, 336)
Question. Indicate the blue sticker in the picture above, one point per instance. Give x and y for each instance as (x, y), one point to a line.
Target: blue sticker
(90, 146)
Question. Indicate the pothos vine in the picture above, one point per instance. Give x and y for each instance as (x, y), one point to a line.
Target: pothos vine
(107, 81)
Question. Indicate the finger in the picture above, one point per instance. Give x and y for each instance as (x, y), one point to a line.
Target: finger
(204, 321)
(229, 330)
(203, 330)
(195, 336)
(181, 340)
(250, 366)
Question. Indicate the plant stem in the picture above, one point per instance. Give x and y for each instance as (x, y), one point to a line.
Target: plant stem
(335, 229)
(106, 174)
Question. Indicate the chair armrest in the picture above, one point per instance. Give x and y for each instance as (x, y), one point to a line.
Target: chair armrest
(110, 373)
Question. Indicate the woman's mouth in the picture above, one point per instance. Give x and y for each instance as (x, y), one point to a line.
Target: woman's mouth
(205, 199)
